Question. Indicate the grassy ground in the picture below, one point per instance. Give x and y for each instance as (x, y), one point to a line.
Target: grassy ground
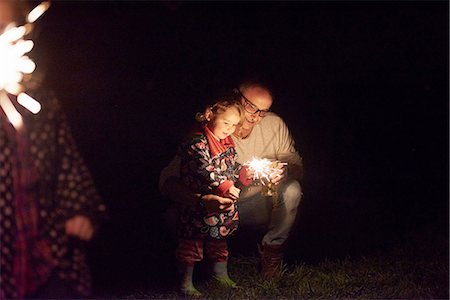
(416, 267)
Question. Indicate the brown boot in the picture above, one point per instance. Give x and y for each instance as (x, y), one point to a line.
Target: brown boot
(271, 261)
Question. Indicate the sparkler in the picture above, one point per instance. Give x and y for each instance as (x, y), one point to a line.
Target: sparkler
(15, 65)
(263, 170)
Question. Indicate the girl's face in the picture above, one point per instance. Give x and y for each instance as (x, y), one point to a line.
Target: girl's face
(224, 124)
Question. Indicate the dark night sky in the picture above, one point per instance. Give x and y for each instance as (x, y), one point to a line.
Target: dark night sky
(363, 87)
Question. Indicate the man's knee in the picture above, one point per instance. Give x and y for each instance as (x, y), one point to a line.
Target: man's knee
(291, 194)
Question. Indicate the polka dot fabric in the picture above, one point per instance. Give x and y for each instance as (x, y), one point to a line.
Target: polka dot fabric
(65, 189)
(7, 222)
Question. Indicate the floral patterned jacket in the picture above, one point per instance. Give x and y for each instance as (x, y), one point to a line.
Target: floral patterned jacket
(208, 166)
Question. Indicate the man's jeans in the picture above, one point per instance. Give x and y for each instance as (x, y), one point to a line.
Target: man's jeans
(260, 213)
(276, 214)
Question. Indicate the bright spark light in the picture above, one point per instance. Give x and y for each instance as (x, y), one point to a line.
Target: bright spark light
(38, 11)
(11, 112)
(14, 64)
(29, 103)
(263, 169)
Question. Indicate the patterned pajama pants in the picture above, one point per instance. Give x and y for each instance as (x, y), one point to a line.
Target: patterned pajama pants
(190, 251)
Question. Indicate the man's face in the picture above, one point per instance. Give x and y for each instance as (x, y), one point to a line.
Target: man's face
(257, 102)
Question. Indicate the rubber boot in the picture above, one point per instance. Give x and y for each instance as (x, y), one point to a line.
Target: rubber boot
(186, 285)
(220, 271)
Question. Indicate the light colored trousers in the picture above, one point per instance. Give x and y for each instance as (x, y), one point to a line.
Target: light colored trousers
(277, 214)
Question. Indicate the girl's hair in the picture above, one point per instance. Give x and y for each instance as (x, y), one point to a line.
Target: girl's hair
(222, 105)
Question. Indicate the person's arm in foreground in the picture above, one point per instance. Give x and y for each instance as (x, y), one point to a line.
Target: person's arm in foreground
(79, 198)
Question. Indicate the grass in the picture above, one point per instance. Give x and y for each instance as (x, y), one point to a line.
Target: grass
(416, 267)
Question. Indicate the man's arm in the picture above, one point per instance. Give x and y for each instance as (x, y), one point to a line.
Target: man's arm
(179, 193)
(171, 186)
(77, 196)
(287, 153)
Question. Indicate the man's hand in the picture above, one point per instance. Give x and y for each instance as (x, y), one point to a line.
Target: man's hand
(281, 174)
(233, 193)
(216, 204)
(80, 227)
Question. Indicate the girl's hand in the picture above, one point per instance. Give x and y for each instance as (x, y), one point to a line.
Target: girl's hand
(80, 226)
(250, 173)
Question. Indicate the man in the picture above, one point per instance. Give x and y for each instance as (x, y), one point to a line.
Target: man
(49, 205)
(263, 134)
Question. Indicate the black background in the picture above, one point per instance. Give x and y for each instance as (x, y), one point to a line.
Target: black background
(363, 87)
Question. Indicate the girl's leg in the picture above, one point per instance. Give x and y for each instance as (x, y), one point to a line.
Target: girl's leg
(189, 251)
(217, 252)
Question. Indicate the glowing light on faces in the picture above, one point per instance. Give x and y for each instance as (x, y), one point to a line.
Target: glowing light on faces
(224, 123)
(257, 102)
(14, 64)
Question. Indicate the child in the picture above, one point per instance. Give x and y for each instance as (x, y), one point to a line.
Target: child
(209, 165)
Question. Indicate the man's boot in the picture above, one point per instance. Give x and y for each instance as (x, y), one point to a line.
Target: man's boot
(271, 261)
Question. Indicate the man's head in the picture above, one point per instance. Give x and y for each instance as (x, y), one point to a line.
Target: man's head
(257, 100)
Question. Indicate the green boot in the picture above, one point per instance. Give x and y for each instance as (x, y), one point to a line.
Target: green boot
(187, 287)
(221, 275)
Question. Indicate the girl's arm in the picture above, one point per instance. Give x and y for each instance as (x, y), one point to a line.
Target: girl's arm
(207, 168)
(245, 177)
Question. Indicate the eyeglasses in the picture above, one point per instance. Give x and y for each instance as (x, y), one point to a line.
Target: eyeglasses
(252, 108)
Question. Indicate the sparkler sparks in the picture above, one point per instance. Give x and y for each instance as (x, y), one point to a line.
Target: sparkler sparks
(38, 11)
(14, 64)
(264, 169)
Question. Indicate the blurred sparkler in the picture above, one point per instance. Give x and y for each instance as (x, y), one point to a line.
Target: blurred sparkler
(15, 65)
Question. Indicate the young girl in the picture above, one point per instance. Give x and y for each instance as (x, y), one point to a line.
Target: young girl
(209, 166)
